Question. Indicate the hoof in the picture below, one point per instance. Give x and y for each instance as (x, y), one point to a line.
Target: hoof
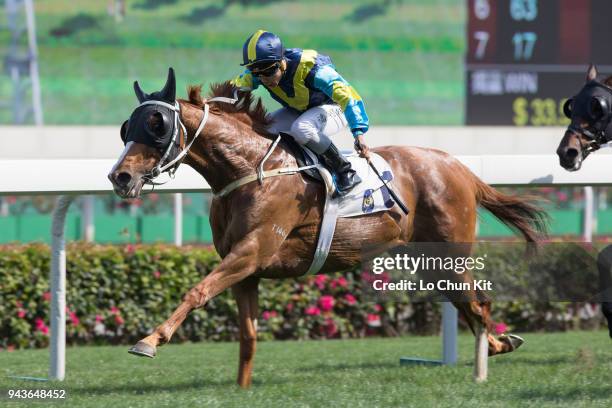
(512, 340)
(143, 349)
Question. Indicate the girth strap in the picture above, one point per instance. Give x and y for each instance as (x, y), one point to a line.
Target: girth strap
(283, 171)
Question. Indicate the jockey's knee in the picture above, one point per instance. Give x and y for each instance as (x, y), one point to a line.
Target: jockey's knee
(307, 134)
(303, 132)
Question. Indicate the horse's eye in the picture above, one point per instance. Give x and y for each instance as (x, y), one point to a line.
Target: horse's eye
(123, 131)
(567, 108)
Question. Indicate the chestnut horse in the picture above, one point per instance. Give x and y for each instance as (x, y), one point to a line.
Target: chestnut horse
(590, 112)
(270, 230)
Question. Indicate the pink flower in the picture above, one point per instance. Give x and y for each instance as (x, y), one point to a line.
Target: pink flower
(156, 274)
(368, 277)
(21, 313)
(129, 248)
(114, 310)
(268, 314)
(74, 319)
(46, 296)
(18, 304)
(377, 307)
(501, 328)
(313, 311)
(99, 319)
(289, 307)
(320, 281)
(327, 303)
(119, 320)
(41, 326)
(340, 282)
(350, 299)
(373, 320)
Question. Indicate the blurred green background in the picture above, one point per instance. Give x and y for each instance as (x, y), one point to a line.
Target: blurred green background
(405, 57)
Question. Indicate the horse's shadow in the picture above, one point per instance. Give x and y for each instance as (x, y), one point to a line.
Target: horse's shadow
(346, 366)
(593, 391)
(141, 389)
(533, 361)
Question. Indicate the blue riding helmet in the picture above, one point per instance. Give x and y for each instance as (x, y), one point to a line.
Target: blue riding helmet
(262, 46)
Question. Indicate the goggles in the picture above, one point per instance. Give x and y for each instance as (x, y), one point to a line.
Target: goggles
(265, 72)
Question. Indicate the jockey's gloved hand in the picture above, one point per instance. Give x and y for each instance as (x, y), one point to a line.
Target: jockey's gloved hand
(361, 147)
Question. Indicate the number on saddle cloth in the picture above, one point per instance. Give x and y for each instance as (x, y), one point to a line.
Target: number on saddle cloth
(368, 203)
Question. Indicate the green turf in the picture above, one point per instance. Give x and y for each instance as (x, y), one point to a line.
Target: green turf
(567, 369)
(405, 62)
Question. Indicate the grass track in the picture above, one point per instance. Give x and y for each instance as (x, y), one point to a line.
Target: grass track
(568, 369)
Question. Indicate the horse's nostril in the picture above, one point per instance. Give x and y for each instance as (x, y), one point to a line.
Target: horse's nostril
(123, 179)
(571, 153)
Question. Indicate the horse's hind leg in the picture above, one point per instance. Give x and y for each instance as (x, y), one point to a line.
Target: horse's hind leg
(477, 314)
(246, 295)
(448, 217)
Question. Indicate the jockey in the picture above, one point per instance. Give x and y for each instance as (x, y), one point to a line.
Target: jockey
(317, 101)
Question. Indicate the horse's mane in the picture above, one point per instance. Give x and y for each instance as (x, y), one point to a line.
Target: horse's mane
(256, 114)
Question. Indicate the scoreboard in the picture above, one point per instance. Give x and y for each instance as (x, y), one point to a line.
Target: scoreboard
(526, 57)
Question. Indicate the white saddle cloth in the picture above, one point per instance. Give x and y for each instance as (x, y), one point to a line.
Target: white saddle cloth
(370, 195)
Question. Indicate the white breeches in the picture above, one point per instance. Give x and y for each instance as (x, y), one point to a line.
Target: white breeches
(313, 127)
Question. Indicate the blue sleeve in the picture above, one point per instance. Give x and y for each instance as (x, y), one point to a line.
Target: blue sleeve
(331, 83)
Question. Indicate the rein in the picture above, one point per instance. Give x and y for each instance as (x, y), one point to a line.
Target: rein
(261, 174)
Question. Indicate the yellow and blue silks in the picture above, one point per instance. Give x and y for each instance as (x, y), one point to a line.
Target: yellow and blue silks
(312, 80)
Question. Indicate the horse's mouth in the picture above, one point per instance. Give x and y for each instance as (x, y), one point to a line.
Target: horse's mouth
(130, 191)
(571, 165)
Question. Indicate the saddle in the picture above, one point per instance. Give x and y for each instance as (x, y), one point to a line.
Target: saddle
(367, 197)
(302, 158)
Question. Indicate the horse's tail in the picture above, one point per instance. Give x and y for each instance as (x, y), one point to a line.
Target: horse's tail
(520, 214)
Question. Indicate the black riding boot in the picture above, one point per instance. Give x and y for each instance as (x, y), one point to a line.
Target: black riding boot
(346, 177)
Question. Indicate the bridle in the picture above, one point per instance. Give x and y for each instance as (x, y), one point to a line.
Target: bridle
(172, 165)
(595, 134)
(594, 140)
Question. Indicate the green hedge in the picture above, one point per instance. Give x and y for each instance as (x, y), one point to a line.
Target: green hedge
(118, 294)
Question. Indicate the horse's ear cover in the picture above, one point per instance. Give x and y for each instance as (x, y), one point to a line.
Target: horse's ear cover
(123, 131)
(140, 94)
(168, 93)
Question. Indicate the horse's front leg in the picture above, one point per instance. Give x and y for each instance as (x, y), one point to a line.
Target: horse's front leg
(246, 295)
(242, 261)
